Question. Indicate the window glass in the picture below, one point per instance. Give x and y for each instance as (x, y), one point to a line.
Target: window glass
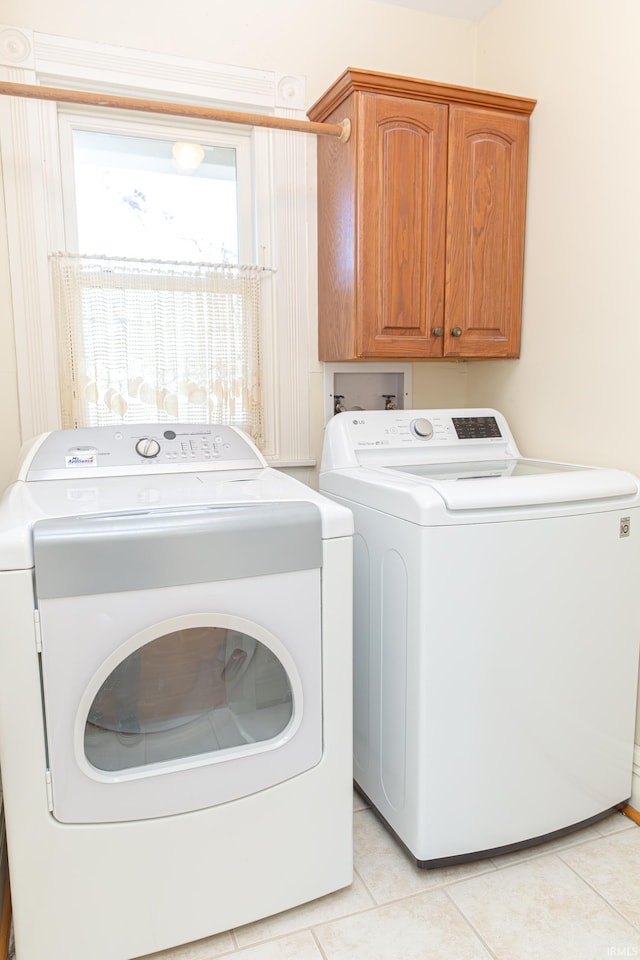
(190, 692)
(153, 198)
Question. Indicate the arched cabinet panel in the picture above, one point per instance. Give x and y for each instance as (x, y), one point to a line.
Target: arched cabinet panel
(485, 232)
(401, 243)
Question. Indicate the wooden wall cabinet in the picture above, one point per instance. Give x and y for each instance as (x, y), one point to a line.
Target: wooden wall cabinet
(421, 218)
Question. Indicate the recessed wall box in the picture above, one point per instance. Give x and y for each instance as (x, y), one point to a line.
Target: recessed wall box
(370, 386)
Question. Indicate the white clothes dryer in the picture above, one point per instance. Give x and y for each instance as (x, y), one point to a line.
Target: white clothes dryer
(496, 630)
(175, 690)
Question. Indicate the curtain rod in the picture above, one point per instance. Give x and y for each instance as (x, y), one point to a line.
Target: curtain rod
(340, 130)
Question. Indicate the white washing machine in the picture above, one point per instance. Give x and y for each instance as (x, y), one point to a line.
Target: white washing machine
(175, 690)
(496, 630)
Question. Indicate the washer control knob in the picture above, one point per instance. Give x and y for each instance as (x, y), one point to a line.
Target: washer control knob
(422, 428)
(148, 447)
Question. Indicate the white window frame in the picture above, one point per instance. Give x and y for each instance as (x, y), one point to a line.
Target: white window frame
(29, 141)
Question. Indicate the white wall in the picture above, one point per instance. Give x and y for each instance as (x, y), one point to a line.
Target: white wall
(575, 392)
(305, 37)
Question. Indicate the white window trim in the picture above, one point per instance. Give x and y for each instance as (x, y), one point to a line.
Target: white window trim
(35, 218)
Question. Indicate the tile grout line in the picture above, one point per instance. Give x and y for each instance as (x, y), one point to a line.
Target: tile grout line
(634, 926)
(317, 943)
(471, 926)
(356, 872)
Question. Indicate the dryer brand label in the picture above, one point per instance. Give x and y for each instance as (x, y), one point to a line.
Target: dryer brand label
(81, 458)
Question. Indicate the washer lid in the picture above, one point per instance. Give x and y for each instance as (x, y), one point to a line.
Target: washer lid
(493, 484)
(482, 494)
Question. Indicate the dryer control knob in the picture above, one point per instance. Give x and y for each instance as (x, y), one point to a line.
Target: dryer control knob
(148, 447)
(422, 429)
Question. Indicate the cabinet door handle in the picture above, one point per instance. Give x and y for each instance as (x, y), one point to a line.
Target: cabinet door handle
(456, 332)
(438, 331)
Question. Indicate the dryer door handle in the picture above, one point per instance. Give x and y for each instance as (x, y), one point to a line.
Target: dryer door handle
(77, 556)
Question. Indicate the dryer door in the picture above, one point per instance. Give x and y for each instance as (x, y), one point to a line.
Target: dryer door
(162, 697)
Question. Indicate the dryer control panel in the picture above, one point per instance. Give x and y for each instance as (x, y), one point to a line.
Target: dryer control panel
(129, 449)
(388, 436)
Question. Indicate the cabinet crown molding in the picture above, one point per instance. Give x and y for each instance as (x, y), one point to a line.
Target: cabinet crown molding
(367, 81)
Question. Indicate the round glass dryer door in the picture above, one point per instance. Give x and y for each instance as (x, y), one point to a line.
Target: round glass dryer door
(194, 691)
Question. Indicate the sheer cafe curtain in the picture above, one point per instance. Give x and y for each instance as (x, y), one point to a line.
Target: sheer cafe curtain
(145, 341)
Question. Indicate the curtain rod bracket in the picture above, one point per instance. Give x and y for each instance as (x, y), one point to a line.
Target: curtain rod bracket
(346, 130)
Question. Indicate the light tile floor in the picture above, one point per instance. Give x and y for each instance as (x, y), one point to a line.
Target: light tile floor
(577, 898)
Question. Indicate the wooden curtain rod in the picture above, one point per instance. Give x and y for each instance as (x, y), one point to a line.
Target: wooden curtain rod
(340, 130)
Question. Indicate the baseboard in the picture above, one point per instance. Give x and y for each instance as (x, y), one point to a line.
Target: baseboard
(5, 922)
(5, 896)
(635, 779)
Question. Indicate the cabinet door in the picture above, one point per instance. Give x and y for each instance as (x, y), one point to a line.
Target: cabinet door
(485, 232)
(401, 226)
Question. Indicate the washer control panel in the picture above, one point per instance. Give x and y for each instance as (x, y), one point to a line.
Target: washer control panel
(395, 436)
(371, 428)
(136, 448)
